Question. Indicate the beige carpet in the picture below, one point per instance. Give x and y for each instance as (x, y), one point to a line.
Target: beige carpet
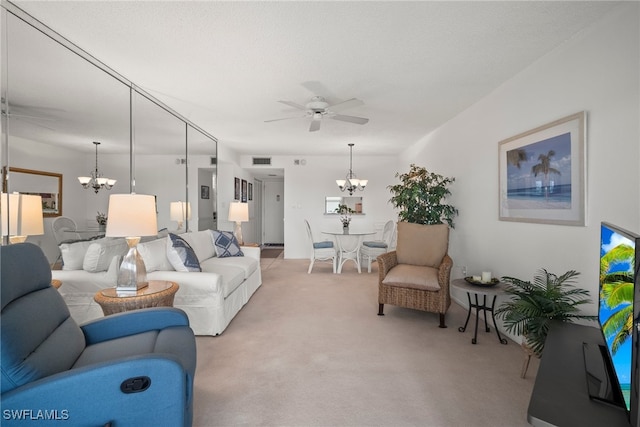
(309, 350)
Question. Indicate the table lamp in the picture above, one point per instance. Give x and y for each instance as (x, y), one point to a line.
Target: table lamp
(179, 211)
(238, 212)
(21, 216)
(132, 216)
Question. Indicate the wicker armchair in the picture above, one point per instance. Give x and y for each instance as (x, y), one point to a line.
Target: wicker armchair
(416, 275)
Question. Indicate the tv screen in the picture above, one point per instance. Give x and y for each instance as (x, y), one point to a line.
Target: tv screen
(617, 313)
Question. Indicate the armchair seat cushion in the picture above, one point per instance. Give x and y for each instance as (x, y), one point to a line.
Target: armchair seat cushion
(174, 340)
(413, 277)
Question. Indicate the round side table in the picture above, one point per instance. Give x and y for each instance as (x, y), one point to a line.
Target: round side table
(158, 293)
(491, 291)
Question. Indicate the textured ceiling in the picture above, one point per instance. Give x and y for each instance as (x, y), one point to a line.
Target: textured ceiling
(224, 65)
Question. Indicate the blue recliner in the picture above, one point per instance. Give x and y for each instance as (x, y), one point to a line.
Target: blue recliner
(128, 369)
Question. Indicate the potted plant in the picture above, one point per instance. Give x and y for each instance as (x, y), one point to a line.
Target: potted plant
(102, 221)
(420, 197)
(534, 306)
(345, 216)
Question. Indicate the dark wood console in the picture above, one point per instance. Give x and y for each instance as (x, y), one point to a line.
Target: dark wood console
(560, 396)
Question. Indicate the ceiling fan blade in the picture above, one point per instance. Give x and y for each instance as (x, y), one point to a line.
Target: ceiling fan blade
(285, 118)
(341, 106)
(350, 119)
(294, 105)
(315, 125)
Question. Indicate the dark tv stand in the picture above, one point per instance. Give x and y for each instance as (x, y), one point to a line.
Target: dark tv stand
(560, 396)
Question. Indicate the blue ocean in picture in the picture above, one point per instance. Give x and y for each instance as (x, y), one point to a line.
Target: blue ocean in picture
(555, 193)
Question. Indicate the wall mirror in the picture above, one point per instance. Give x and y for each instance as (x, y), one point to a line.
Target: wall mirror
(331, 204)
(56, 100)
(47, 185)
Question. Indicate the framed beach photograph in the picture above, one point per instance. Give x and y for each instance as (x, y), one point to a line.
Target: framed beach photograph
(244, 191)
(236, 189)
(542, 174)
(250, 191)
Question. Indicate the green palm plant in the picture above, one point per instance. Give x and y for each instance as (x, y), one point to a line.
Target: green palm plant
(534, 306)
(617, 292)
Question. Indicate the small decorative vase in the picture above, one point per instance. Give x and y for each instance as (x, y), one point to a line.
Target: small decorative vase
(345, 229)
(102, 227)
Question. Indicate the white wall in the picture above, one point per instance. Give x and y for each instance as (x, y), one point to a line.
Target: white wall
(597, 72)
(307, 185)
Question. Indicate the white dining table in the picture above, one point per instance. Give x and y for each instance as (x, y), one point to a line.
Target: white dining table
(349, 246)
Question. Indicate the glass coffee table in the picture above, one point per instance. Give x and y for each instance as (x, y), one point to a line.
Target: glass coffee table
(159, 293)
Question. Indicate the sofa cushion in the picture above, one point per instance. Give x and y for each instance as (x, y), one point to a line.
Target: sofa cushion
(414, 277)
(181, 255)
(226, 244)
(423, 245)
(100, 253)
(73, 254)
(247, 264)
(154, 255)
(201, 243)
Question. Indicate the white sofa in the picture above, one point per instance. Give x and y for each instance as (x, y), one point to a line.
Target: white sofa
(211, 298)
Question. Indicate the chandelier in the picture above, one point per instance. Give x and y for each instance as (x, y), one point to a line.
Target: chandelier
(96, 180)
(351, 183)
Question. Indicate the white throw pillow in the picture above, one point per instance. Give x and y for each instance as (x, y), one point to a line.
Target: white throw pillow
(181, 255)
(99, 254)
(201, 243)
(154, 255)
(73, 254)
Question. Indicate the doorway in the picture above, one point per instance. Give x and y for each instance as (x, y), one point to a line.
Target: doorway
(273, 208)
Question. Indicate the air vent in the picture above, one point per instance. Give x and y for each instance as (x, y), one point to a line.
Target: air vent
(214, 161)
(262, 160)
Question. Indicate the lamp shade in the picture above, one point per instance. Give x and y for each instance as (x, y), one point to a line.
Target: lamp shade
(131, 215)
(179, 211)
(21, 215)
(238, 212)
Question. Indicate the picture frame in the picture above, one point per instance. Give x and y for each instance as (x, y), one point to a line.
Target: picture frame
(250, 191)
(236, 189)
(47, 185)
(244, 191)
(204, 191)
(542, 174)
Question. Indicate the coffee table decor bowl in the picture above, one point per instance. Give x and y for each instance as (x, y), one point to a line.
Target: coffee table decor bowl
(494, 281)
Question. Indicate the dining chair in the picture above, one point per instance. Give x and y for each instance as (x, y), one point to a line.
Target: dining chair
(371, 249)
(62, 226)
(321, 251)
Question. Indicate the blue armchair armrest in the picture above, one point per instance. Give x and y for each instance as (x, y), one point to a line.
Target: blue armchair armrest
(92, 395)
(132, 322)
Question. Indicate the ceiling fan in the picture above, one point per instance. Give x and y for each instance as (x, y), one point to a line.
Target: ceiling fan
(318, 107)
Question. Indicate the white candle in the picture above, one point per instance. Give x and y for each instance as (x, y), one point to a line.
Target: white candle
(486, 276)
(476, 278)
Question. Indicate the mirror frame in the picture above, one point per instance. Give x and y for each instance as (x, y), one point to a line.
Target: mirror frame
(57, 176)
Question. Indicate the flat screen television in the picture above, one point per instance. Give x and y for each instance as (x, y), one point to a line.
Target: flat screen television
(616, 378)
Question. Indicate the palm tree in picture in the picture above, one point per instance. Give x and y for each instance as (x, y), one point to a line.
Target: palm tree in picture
(617, 293)
(544, 168)
(517, 156)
